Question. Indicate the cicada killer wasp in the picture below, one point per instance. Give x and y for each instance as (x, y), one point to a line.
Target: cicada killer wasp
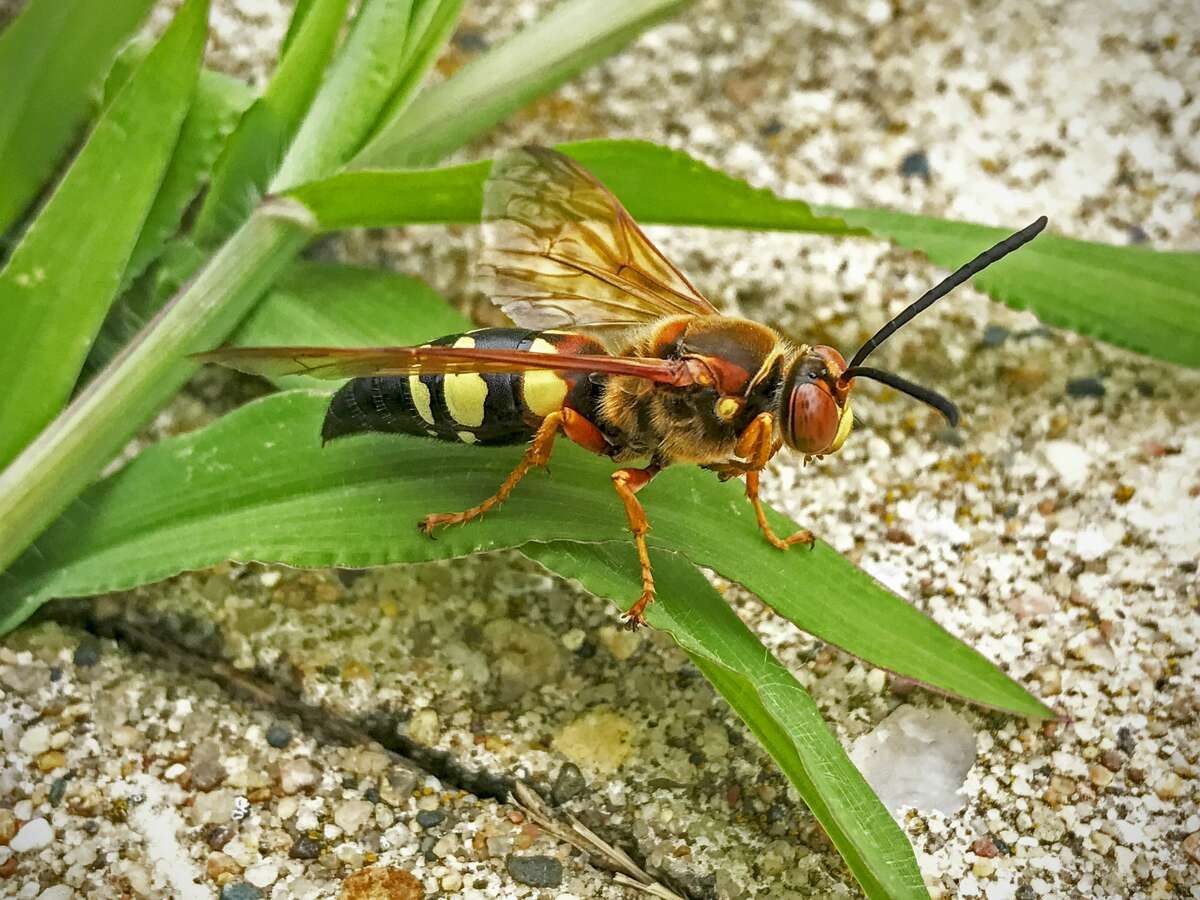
(615, 349)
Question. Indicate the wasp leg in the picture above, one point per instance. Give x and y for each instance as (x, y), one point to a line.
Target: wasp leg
(627, 483)
(756, 445)
(804, 536)
(573, 425)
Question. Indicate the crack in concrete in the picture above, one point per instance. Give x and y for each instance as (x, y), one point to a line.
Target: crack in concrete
(161, 644)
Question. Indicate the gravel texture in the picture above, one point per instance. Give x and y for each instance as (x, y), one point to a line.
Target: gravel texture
(1058, 531)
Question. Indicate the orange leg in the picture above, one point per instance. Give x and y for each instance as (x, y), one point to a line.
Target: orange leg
(757, 445)
(627, 483)
(575, 426)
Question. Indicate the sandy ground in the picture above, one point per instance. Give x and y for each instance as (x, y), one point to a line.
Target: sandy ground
(1058, 532)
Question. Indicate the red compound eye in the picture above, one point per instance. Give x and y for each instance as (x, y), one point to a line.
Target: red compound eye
(813, 417)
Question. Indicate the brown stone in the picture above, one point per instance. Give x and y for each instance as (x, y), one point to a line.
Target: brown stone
(382, 883)
(984, 847)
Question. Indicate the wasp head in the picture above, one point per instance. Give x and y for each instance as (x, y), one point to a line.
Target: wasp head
(815, 414)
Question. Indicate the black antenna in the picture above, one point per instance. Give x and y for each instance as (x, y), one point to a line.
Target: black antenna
(975, 266)
(916, 391)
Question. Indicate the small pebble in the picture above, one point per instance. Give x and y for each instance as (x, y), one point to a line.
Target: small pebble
(279, 736)
(34, 835)
(241, 891)
(295, 775)
(1191, 846)
(984, 847)
(569, 783)
(305, 848)
(535, 871)
(994, 335)
(57, 790)
(429, 818)
(915, 165)
(217, 836)
(51, 760)
(1112, 760)
(1085, 387)
(57, 892)
(87, 653)
(353, 814)
(219, 864)
(8, 826)
(263, 874)
(35, 741)
(382, 883)
(424, 727)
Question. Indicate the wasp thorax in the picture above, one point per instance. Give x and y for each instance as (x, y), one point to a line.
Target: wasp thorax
(815, 407)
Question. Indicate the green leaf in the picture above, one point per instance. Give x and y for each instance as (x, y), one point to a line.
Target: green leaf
(357, 88)
(432, 24)
(356, 503)
(1135, 297)
(253, 153)
(573, 35)
(52, 57)
(258, 485)
(219, 101)
(768, 699)
(299, 13)
(658, 185)
(63, 274)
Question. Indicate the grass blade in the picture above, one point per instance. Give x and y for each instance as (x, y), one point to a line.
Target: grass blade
(433, 23)
(52, 57)
(575, 34)
(69, 454)
(1135, 297)
(219, 102)
(766, 696)
(657, 185)
(253, 152)
(64, 273)
(1132, 297)
(271, 492)
(357, 88)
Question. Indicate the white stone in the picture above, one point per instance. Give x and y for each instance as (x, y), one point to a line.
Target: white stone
(263, 874)
(34, 835)
(57, 892)
(1069, 460)
(352, 815)
(35, 740)
(296, 774)
(919, 758)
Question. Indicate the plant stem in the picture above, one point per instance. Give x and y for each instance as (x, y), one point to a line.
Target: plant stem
(75, 447)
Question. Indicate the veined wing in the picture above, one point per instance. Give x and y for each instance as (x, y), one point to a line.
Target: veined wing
(342, 363)
(560, 249)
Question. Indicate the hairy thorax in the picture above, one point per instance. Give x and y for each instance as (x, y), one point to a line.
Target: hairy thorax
(683, 425)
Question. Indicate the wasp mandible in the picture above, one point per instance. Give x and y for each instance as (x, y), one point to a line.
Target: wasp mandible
(615, 349)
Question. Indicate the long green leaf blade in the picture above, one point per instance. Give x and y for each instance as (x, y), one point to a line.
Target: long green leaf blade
(1132, 297)
(255, 149)
(356, 90)
(219, 102)
(72, 450)
(658, 185)
(63, 275)
(1135, 297)
(772, 703)
(575, 34)
(51, 59)
(271, 492)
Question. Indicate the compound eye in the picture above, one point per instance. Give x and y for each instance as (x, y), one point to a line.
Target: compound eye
(813, 418)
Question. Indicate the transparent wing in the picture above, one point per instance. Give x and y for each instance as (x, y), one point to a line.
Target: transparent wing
(561, 250)
(342, 363)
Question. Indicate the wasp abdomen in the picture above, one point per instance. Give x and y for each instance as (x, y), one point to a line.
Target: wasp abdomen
(470, 407)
